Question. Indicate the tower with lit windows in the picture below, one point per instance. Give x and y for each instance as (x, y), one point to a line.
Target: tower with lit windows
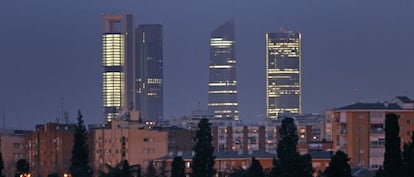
(118, 76)
(283, 74)
(149, 54)
(222, 86)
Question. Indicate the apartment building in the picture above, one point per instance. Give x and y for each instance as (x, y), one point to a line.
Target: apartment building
(358, 129)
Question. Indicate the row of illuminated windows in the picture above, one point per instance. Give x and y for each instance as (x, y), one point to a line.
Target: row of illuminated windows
(224, 111)
(154, 81)
(223, 104)
(220, 67)
(234, 83)
(223, 91)
(280, 110)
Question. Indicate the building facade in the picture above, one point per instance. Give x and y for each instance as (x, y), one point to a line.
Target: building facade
(149, 54)
(12, 148)
(222, 86)
(126, 140)
(118, 77)
(358, 129)
(283, 74)
(49, 148)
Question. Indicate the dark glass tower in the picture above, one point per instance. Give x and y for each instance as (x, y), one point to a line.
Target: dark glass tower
(150, 76)
(222, 86)
(118, 66)
(283, 74)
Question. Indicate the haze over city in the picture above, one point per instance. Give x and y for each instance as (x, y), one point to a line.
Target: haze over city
(52, 50)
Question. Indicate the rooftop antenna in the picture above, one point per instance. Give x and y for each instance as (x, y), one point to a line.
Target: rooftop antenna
(356, 92)
(4, 119)
(62, 112)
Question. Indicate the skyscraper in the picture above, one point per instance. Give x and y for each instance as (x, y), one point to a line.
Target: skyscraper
(222, 86)
(118, 86)
(149, 55)
(283, 73)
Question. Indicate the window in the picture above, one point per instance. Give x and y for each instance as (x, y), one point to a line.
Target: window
(148, 139)
(409, 122)
(16, 145)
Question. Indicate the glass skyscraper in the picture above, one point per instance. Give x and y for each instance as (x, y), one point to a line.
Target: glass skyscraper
(118, 66)
(283, 74)
(149, 53)
(222, 86)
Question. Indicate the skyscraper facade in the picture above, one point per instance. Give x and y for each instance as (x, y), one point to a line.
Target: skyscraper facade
(149, 54)
(222, 86)
(118, 86)
(283, 74)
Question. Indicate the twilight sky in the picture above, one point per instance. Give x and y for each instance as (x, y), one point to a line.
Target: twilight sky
(51, 50)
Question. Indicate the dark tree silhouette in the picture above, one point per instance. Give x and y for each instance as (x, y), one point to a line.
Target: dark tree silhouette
(22, 166)
(255, 169)
(122, 169)
(408, 157)
(151, 171)
(178, 167)
(339, 166)
(274, 171)
(80, 166)
(163, 169)
(203, 160)
(292, 164)
(1, 165)
(392, 158)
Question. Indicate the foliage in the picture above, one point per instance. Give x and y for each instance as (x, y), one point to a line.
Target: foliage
(1, 165)
(339, 166)
(22, 166)
(408, 157)
(380, 172)
(292, 164)
(203, 159)
(122, 169)
(80, 166)
(151, 171)
(178, 167)
(392, 158)
(255, 169)
(274, 171)
(163, 169)
(238, 172)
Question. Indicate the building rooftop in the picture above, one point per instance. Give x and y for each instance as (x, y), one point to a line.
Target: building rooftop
(361, 106)
(321, 154)
(223, 155)
(404, 99)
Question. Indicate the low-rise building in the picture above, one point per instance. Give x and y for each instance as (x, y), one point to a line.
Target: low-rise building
(125, 140)
(12, 148)
(49, 148)
(358, 129)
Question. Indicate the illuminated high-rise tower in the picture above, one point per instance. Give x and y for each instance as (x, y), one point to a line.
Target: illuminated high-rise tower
(150, 76)
(118, 86)
(283, 74)
(222, 86)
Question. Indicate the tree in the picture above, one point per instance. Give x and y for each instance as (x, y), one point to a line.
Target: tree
(122, 169)
(1, 165)
(274, 171)
(408, 157)
(392, 158)
(255, 169)
(22, 166)
(339, 166)
(163, 169)
(380, 172)
(238, 172)
(151, 171)
(178, 167)
(292, 164)
(203, 159)
(80, 166)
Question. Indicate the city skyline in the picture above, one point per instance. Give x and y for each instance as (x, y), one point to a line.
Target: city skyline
(346, 47)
